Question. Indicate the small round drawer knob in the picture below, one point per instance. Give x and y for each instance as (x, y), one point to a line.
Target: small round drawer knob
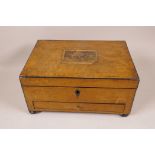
(77, 92)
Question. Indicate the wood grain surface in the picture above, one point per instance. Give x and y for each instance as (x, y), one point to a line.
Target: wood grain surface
(113, 60)
(106, 85)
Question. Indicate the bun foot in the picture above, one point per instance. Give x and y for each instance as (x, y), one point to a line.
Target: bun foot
(33, 112)
(124, 115)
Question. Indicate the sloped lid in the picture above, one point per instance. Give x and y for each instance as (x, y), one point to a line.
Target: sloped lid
(80, 59)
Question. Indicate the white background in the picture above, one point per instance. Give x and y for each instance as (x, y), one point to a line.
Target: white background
(16, 45)
(77, 12)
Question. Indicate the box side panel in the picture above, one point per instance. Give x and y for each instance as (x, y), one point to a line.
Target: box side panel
(129, 102)
(27, 99)
(47, 97)
(41, 90)
(85, 95)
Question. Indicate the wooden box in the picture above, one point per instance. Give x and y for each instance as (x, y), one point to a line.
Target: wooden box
(80, 76)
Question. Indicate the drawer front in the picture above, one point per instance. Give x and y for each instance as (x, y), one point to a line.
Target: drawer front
(84, 95)
(79, 107)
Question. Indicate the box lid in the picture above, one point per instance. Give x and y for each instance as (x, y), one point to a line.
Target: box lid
(80, 59)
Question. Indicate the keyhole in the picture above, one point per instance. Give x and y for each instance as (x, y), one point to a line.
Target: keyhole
(77, 92)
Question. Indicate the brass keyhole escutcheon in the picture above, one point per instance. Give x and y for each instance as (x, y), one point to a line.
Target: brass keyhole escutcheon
(77, 92)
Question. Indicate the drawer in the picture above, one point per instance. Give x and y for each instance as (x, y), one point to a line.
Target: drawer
(78, 107)
(84, 95)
